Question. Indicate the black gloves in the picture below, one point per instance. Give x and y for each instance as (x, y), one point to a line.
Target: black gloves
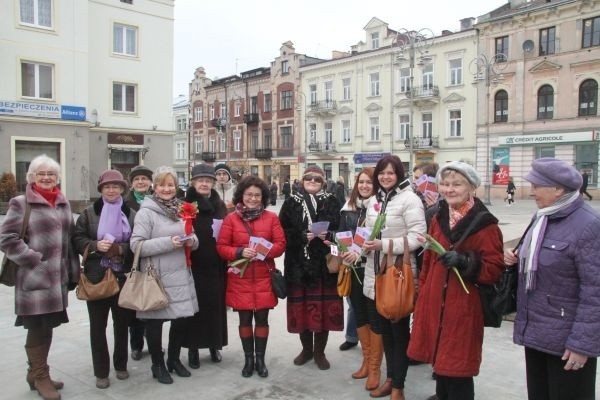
(71, 286)
(453, 259)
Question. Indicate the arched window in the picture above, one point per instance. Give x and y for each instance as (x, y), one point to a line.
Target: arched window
(588, 98)
(501, 106)
(545, 102)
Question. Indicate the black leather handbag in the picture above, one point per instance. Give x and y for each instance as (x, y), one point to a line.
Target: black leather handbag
(278, 283)
(499, 299)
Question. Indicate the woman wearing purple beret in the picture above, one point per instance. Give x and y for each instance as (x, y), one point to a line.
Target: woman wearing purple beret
(558, 311)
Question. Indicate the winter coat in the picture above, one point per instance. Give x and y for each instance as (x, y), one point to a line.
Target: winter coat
(48, 265)
(404, 216)
(156, 229)
(299, 268)
(208, 327)
(273, 193)
(131, 202)
(252, 291)
(85, 234)
(226, 191)
(447, 322)
(340, 193)
(563, 310)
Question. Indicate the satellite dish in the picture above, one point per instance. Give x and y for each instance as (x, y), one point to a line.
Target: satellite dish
(528, 46)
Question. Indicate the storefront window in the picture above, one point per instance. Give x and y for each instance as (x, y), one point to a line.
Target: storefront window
(544, 151)
(586, 158)
(25, 151)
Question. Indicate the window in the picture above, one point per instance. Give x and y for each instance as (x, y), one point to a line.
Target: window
(211, 111)
(375, 40)
(502, 48)
(124, 40)
(544, 151)
(254, 140)
(374, 80)
(455, 67)
(223, 144)
(545, 102)
(124, 97)
(374, 128)
(428, 77)
(268, 139)
(328, 92)
(267, 102)
(313, 94)
(36, 12)
(198, 145)
(404, 80)
(180, 151)
(455, 123)
(591, 32)
(285, 67)
(198, 114)
(427, 125)
(287, 140)
(237, 109)
(346, 131)
(588, 98)
(223, 113)
(346, 86)
(211, 145)
(254, 104)
(328, 132)
(403, 127)
(181, 125)
(237, 141)
(287, 100)
(547, 41)
(501, 106)
(37, 80)
(312, 128)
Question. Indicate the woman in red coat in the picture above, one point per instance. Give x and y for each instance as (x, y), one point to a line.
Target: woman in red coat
(249, 287)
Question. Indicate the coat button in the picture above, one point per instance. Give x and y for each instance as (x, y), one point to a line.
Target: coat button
(553, 246)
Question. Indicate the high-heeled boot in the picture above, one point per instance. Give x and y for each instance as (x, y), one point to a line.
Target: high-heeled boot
(38, 356)
(375, 358)
(364, 339)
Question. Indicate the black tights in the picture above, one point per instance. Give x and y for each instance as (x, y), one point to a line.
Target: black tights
(154, 338)
(38, 336)
(261, 317)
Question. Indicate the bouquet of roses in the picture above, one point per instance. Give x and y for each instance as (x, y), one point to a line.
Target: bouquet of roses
(430, 243)
(187, 212)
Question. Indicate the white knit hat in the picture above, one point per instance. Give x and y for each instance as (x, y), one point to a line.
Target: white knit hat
(462, 168)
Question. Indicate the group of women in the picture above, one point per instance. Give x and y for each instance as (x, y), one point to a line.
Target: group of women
(556, 319)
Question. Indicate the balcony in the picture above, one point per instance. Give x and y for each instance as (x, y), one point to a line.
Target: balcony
(207, 156)
(423, 143)
(424, 95)
(324, 107)
(219, 122)
(321, 147)
(251, 118)
(263, 154)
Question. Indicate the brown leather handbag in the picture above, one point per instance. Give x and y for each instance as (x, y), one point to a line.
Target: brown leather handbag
(333, 263)
(395, 287)
(8, 271)
(86, 290)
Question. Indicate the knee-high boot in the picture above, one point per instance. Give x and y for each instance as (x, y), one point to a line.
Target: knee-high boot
(375, 358)
(247, 337)
(30, 377)
(306, 338)
(38, 357)
(365, 343)
(319, 353)
(261, 334)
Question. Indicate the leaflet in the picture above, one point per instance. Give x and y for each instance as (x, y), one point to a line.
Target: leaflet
(216, 227)
(319, 227)
(262, 247)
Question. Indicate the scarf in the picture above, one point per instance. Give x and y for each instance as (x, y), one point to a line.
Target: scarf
(310, 205)
(139, 197)
(456, 214)
(248, 214)
(528, 254)
(113, 222)
(49, 195)
(169, 207)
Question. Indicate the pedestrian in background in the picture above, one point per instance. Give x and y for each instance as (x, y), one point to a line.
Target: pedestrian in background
(558, 310)
(285, 189)
(510, 191)
(584, 185)
(225, 185)
(48, 266)
(273, 190)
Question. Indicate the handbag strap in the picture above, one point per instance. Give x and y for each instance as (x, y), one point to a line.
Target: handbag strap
(25, 220)
(136, 256)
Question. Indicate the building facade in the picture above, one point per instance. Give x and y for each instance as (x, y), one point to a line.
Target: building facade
(181, 153)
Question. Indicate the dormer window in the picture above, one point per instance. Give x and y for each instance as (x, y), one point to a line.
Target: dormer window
(375, 40)
(285, 67)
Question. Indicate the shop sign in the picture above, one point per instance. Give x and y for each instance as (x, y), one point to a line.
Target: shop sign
(368, 158)
(560, 137)
(125, 138)
(41, 110)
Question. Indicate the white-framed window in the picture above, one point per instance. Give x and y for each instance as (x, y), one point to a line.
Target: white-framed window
(37, 80)
(374, 83)
(328, 132)
(268, 138)
(211, 111)
(124, 97)
(238, 108)
(180, 151)
(267, 102)
(211, 145)
(427, 124)
(285, 67)
(428, 76)
(36, 13)
(198, 145)
(287, 100)
(403, 126)
(455, 123)
(346, 138)
(181, 125)
(197, 114)
(223, 113)
(328, 91)
(237, 141)
(404, 80)
(312, 129)
(223, 144)
(287, 139)
(346, 82)
(374, 129)
(375, 40)
(312, 89)
(455, 68)
(124, 39)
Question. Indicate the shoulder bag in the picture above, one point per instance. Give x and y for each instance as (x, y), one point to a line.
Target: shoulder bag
(344, 281)
(8, 272)
(395, 287)
(86, 290)
(142, 291)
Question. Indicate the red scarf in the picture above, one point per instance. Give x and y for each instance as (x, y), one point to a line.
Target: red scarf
(49, 195)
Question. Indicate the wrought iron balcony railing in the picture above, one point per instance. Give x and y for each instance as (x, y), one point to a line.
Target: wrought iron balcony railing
(324, 105)
(321, 147)
(422, 143)
(263, 154)
(423, 91)
(251, 118)
(208, 156)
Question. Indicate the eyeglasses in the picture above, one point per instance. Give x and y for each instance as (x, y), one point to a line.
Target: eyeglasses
(252, 195)
(315, 178)
(46, 173)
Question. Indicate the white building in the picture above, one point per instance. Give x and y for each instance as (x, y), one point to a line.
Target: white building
(181, 152)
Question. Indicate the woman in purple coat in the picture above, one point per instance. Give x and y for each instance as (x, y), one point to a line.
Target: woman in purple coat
(558, 306)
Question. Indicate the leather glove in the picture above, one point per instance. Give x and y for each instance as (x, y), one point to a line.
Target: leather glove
(453, 259)
(71, 286)
(113, 251)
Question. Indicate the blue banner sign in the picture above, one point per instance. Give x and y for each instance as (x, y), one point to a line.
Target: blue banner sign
(41, 110)
(72, 113)
(368, 158)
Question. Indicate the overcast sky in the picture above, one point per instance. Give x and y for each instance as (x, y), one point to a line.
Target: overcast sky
(231, 36)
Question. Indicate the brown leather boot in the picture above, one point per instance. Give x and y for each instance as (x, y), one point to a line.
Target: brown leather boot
(320, 344)
(306, 338)
(30, 379)
(375, 358)
(365, 339)
(383, 390)
(38, 357)
(397, 394)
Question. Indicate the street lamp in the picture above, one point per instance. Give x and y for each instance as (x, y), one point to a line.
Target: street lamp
(414, 47)
(489, 71)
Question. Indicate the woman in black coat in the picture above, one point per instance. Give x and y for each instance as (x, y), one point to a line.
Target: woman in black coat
(208, 327)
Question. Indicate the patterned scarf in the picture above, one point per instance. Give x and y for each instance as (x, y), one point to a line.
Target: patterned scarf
(528, 254)
(248, 214)
(456, 214)
(170, 207)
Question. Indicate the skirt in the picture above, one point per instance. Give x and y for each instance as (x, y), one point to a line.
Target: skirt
(46, 321)
(315, 309)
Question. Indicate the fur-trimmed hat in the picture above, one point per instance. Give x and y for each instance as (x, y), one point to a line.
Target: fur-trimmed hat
(203, 170)
(462, 168)
(111, 176)
(140, 170)
(223, 167)
(314, 169)
(547, 171)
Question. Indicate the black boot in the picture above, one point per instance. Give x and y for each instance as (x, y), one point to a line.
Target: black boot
(260, 345)
(159, 370)
(306, 338)
(248, 346)
(215, 355)
(320, 343)
(174, 363)
(193, 358)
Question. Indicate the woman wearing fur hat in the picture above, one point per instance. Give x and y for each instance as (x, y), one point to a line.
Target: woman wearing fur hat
(448, 323)
(207, 329)
(225, 186)
(102, 236)
(557, 301)
(313, 306)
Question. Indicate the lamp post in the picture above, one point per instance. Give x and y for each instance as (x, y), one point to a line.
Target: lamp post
(303, 109)
(414, 47)
(488, 71)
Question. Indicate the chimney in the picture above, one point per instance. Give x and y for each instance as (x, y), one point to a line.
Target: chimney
(446, 32)
(335, 54)
(466, 23)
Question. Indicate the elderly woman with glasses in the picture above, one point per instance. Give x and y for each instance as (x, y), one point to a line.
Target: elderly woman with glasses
(313, 306)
